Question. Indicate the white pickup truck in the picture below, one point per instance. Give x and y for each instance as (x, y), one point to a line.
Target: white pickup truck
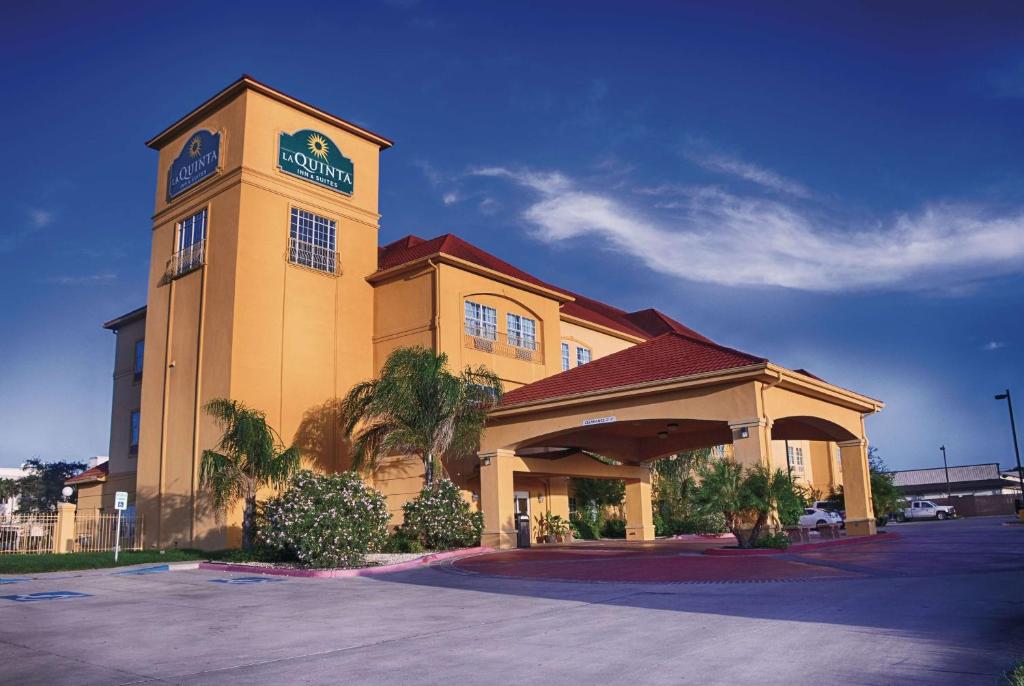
(925, 509)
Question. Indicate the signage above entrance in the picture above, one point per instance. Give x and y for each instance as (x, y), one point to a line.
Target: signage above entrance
(199, 159)
(313, 156)
(598, 420)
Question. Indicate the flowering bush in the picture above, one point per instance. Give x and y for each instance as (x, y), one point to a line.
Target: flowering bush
(326, 520)
(440, 519)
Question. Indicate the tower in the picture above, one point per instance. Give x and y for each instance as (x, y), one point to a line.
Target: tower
(264, 231)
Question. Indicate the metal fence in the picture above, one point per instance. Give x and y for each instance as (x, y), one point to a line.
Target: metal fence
(91, 533)
(29, 533)
(96, 533)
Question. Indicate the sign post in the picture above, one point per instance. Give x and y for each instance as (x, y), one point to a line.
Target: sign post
(120, 504)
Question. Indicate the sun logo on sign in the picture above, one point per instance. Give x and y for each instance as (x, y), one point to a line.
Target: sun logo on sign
(195, 147)
(318, 146)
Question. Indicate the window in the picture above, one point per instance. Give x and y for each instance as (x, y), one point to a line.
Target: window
(133, 439)
(312, 241)
(522, 331)
(796, 457)
(137, 366)
(481, 321)
(582, 356)
(565, 356)
(190, 245)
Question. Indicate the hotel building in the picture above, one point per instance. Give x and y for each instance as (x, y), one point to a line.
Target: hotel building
(268, 285)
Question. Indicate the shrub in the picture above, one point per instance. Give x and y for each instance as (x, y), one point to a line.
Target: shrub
(614, 528)
(1015, 675)
(401, 542)
(440, 518)
(778, 540)
(326, 520)
(588, 523)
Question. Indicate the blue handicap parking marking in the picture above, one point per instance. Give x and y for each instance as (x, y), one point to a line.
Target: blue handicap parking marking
(48, 595)
(246, 580)
(12, 580)
(144, 570)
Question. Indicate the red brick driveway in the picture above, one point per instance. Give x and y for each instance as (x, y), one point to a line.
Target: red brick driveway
(917, 549)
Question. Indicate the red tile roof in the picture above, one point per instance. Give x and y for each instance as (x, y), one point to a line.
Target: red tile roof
(97, 473)
(645, 324)
(412, 248)
(655, 323)
(669, 356)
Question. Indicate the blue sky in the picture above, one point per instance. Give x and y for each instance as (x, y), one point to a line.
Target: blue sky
(838, 189)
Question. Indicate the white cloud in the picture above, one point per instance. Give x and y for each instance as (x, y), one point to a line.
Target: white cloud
(708, 235)
(733, 166)
(993, 345)
(450, 198)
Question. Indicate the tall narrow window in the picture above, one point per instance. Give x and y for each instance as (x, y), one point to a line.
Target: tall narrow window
(481, 321)
(565, 356)
(312, 241)
(522, 331)
(582, 356)
(133, 436)
(190, 244)
(796, 458)
(140, 347)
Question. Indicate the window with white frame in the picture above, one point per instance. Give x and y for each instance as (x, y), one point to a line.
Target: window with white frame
(481, 321)
(192, 230)
(522, 331)
(795, 455)
(565, 356)
(190, 244)
(312, 242)
(582, 356)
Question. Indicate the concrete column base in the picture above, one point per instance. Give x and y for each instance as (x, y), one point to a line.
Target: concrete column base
(639, 533)
(501, 540)
(861, 527)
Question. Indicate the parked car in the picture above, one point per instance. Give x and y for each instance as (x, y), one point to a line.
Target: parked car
(831, 506)
(814, 517)
(925, 509)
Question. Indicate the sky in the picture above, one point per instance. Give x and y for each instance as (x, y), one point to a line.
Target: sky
(833, 186)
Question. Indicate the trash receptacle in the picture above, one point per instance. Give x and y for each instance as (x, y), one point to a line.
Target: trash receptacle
(522, 531)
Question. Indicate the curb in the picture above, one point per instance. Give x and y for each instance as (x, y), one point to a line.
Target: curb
(801, 547)
(345, 573)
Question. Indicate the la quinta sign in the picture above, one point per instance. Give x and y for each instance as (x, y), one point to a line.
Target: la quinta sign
(312, 156)
(199, 159)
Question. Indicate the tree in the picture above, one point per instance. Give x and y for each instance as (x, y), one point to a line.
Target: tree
(416, 406)
(721, 491)
(599, 492)
(675, 478)
(8, 489)
(249, 456)
(40, 489)
(885, 496)
(748, 499)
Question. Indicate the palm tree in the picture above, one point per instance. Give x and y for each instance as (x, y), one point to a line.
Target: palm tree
(249, 456)
(417, 406)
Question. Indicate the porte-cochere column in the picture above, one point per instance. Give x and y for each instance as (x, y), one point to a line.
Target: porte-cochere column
(497, 498)
(639, 509)
(860, 515)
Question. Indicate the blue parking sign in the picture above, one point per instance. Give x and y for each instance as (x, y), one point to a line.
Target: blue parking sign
(47, 595)
(242, 580)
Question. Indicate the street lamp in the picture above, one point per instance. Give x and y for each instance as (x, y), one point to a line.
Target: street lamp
(1013, 430)
(945, 466)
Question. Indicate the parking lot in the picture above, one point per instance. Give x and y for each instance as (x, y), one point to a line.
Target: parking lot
(941, 604)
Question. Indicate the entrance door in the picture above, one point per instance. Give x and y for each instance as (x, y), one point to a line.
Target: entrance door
(522, 503)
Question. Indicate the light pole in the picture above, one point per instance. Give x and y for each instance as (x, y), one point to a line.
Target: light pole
(945, 466)
(1013, 430)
